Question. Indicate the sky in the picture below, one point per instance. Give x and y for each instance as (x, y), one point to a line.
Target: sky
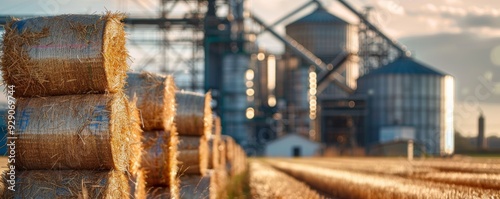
(458, 37)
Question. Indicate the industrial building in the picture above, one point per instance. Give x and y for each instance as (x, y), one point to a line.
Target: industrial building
(345, 85)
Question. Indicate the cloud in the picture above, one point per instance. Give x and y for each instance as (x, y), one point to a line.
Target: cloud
(476, 21)
(466, 57)
(391, 6)
(482, 20)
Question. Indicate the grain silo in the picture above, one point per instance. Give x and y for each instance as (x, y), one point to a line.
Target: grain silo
(234, 101)
(326, 36)
(412, 97)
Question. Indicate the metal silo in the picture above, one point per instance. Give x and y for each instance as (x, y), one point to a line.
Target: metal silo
(327, 37)
(234, 98)
(409, 94)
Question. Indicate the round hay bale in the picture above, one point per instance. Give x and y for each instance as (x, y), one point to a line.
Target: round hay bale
(64, 55)
(217, 126)
(156, 100)
(221, 179)
(137, 184)
(136, 150)
(194, 115)
(70, 184)
(159, 193)
(73, 132)
(200, 187)
(193, 155)
(160, 158)
(229, 145)
(222, 155)
(213, 152)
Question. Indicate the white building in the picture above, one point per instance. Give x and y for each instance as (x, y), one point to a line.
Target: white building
(292, 145)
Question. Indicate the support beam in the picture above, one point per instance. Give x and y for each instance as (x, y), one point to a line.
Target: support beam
(402, 50)
(305, 54)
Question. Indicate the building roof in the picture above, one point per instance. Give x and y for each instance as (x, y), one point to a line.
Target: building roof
(320, 15)
(406, 65)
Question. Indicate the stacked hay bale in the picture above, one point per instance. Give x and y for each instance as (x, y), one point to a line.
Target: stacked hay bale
(194, 123)
(156, 102)
(217, 156)
(229, 145)
(74, 132)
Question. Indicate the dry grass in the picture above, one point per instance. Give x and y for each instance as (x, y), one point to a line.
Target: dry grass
(156, 100)
(202, 187)
(73, 132)
(64, 55)
(194, 114)
(266, 182)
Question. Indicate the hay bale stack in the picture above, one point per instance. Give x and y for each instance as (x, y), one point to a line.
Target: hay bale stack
(159, 160)
(70, 184)
(65, 55)
(199, 187)
(193, 155)
(194, 115)
(159, 193)
(73, 132)
(156, 99)
(213, 152)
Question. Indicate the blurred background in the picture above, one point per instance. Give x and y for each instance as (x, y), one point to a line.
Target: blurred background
(330, 77)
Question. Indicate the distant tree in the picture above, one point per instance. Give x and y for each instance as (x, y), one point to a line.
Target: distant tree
(493, 142)
(462, 143)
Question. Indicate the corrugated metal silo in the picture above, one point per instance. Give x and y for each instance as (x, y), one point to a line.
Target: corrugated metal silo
(327, 37)
(408, 93)
(234, 101)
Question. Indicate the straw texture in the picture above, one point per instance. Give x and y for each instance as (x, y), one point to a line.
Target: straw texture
(156, 99)
(194, 115)
(213, 152)
(136, 150)
(199, 187)
(137, 184)
(73, 132)
(70, 184)
(66, 54)
(159, 193)
(160, 158)
(193, 155)
(229, 151)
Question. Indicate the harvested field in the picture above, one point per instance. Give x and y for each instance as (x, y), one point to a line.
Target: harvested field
(155, 99)
(392, 178)
(266, 182)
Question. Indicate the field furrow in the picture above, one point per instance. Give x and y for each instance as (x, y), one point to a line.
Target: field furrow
(268, 183)
(354, 184)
